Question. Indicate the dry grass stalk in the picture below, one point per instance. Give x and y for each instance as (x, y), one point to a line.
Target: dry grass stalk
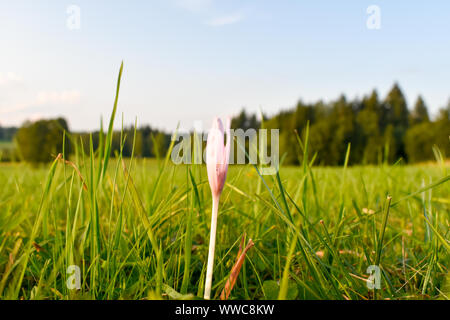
(236, 268)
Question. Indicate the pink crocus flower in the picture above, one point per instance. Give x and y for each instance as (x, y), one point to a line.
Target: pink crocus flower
(217, 158)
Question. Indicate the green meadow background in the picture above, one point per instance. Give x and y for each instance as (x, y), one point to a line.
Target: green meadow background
(139, 228)
(144, 234)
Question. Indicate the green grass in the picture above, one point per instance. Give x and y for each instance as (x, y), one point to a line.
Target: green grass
(7, 151)
(135, 237)
(6, 145)
(139, 229)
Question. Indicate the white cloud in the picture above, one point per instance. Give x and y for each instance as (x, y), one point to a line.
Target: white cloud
(194, 5)
(15, 107)
(43, 98)
(55, 97)
(9, 78)
(35, 117)
(225, 20)
(205, 7)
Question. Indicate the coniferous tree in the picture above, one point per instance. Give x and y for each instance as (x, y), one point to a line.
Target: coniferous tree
(368, 120)
(419, 113)
(397, 116)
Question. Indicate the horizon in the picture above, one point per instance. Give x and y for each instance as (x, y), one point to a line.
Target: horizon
(189, 60)
(203, 127)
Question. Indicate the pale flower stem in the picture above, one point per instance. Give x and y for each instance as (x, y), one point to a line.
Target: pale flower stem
(212, 247)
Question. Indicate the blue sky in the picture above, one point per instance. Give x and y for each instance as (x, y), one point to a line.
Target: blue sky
(189, 60)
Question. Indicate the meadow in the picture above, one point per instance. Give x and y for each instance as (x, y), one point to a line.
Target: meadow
(141, 231)
(92, 226)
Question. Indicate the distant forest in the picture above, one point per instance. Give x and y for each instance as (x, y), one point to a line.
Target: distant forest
(7, 134)
(378, 131)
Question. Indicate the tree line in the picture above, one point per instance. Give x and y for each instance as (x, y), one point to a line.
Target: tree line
(378, 131)
(7, 133)
(40, 141)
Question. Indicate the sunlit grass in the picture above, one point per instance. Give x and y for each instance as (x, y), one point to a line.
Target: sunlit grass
(329, 260)
(139, 229)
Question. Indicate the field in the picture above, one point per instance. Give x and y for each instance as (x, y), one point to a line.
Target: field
(6, 145)
(140, 230)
